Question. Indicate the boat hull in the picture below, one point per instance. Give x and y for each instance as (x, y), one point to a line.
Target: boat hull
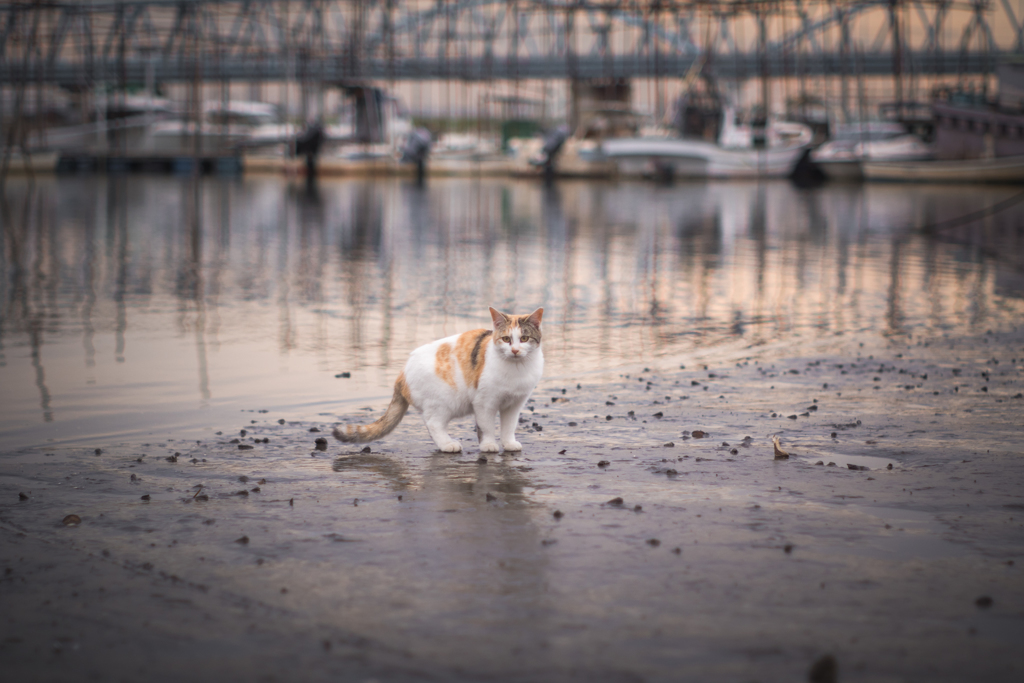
(847, 170)
(698, 159)
(1001, 170)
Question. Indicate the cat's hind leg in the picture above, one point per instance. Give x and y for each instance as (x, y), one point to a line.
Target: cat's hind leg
(509, 422)
(438, 430)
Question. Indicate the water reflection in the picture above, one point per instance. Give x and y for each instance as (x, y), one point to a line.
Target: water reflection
(212, 292)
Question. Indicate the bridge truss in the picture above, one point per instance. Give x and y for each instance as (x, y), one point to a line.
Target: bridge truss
(77, 45)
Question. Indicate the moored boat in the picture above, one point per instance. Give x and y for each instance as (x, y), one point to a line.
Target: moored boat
(996, 170)
(852, 144)
(734, 154)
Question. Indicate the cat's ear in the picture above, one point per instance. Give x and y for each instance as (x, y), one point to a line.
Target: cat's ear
(534, 318)
(498, 318)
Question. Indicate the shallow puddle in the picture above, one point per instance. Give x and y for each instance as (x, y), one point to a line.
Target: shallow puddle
(136, 306)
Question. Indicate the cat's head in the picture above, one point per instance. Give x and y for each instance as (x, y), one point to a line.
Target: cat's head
(516, 336)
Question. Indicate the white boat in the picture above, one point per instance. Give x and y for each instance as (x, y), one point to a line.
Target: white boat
(223, 128)
(841, 157)
(997, 170)
(734, 155)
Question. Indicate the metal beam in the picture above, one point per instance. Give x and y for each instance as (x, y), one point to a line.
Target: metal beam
(484, 39)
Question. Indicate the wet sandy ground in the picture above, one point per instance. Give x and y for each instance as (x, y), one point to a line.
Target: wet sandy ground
(619, 546)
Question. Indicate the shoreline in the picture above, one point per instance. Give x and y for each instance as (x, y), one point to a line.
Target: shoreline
(403, 564)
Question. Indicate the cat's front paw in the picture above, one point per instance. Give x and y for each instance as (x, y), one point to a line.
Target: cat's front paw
(451, 447)
(489, 447)
(513, 446)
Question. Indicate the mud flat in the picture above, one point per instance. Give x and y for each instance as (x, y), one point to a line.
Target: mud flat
(647, 532)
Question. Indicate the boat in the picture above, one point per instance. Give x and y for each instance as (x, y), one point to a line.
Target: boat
(224, 128)
(994, 170)
(735, 154)
(841, 157)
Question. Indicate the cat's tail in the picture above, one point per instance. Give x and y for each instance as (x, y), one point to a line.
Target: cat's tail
(400, 402)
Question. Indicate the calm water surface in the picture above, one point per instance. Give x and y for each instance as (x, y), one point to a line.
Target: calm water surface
(132, 306)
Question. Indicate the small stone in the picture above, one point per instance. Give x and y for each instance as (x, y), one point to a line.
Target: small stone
(858, 468)
(889, 466)
(791, 417)
(788, 548)
(824, 670)
(343, 375)
(653, 542)
(281, 421)
(490, 497)
(558, 514)
(603, 463)
(262, 482)
(671, 472)
(833, 435)
(659, 415)
(608, 417)
(98, 451)
(670, 444)
(677, 550)
(734, 451)
(481, 460)
(615, 501)
(984, 602)
(243, 493)
(244, 540)
(242, 432)
(820, 462)
(638, 508)
(244, 447)
(572, 424)
(145, 497)
(22, 496)
(698, 434)
(313, 430)
(71, 520)
(243, 479)
(366, 449)
(171, 458)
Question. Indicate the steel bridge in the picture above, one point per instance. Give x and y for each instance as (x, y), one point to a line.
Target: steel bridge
(78, 45)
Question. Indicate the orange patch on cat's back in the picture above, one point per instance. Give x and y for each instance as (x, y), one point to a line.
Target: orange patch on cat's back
(443, 366)
(471, 350)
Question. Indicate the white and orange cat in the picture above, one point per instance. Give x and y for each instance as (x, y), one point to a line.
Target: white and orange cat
(477, 373)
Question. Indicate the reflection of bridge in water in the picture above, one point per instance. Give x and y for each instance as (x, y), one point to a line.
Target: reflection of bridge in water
(79, 44)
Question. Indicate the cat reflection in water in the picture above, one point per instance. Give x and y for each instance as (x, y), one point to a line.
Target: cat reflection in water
(481, 372)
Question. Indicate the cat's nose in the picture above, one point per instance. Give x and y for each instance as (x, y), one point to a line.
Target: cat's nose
(515, 352)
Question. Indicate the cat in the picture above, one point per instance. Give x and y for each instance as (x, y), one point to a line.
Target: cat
(481, 372)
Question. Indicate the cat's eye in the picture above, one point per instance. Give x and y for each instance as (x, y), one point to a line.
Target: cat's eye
(507, 340)
(524, 339)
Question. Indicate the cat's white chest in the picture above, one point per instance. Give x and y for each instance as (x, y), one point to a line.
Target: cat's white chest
(511, 380)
